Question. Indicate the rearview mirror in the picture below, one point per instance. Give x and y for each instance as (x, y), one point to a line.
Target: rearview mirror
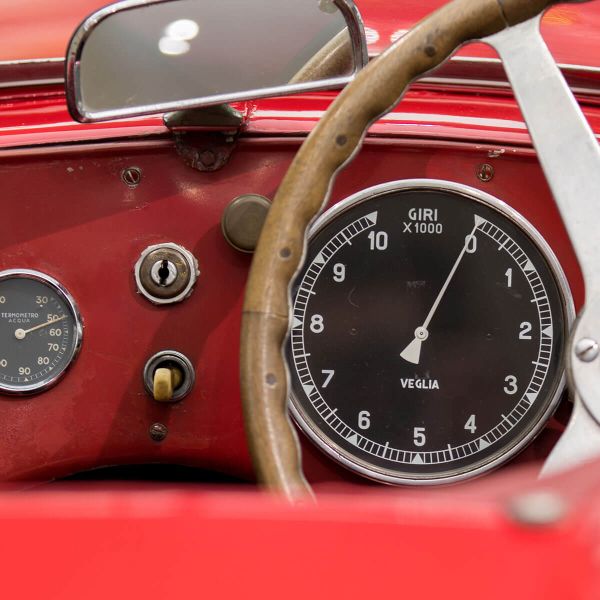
(151, 56)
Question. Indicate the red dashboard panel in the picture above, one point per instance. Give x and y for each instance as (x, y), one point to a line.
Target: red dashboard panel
(68, 213)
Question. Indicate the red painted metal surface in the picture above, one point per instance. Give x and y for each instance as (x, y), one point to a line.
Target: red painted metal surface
(72, 217)
(39, 29)
(570, 30)
(430, 113)
(40, 117)
(157, 543)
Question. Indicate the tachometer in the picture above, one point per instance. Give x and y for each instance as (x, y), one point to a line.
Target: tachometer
(40, 331)
(427, 333)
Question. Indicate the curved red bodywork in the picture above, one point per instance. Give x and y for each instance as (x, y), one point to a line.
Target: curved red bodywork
(181, 544)
(33, 29)
(71, 216)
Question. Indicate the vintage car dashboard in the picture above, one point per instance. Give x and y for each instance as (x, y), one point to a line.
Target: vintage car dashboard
(82, 205)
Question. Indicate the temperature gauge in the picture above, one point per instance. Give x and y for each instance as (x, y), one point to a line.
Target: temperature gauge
(40, 331)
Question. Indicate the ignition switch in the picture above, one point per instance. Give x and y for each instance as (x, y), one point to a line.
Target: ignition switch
(169, 376)
(166, 273)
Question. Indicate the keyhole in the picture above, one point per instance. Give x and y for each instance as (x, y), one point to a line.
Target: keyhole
(163, 272)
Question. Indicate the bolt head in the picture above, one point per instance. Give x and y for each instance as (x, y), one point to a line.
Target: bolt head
(587, 350)
(158, 432)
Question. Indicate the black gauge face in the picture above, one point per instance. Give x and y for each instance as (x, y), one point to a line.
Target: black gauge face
(427, 333)
(40, 331)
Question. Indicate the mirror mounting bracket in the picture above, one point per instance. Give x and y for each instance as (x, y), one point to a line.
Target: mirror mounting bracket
(221, 117)
(205, 137)
(205, 151)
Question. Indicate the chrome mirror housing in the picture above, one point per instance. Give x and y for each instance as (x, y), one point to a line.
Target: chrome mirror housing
(140, 57)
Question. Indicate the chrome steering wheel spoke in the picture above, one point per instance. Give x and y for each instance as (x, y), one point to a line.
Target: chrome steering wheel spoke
(570, 157)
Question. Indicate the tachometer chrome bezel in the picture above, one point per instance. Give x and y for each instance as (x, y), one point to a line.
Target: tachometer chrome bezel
(65, 295)
(372, 472)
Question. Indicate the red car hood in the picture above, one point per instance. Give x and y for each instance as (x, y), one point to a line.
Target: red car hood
(572, 31)
(32, 29)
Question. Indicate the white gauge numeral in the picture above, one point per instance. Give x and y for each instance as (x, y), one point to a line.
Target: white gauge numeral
(470, 424)
(419, 436)
(508, 276)
(525, 333)
(2, 299)
(41, 300)
(55, 332)
(316, 324)
(511, 385)
(364, 419)
(329, 373)
(24, 371)
(379, 240)
(471, 244)
(43, 360)
(53, 347)
(339, 272)
(3, 362)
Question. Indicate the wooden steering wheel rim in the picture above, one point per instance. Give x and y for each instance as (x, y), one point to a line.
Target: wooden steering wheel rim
(304, 191)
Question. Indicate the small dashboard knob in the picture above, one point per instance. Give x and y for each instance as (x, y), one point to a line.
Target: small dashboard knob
(166, 381)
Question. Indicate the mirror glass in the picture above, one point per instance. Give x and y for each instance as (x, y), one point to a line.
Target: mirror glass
(151, 57)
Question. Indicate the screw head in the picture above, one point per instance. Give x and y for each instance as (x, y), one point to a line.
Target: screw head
(485, 172)
(158, 432)
(587, 350)
(131, 176)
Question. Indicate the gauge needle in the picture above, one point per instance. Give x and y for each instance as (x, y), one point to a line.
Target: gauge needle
(21, 333)
(412, 352)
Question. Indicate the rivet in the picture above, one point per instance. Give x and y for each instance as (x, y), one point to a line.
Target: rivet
(285, 253)
(587, 350)
(430, 51)
(131, 176)
(485, 172)
(341, 140)
(271, 379)
(158, 432)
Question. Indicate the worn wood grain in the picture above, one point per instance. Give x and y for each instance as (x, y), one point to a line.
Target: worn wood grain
(301, 196)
